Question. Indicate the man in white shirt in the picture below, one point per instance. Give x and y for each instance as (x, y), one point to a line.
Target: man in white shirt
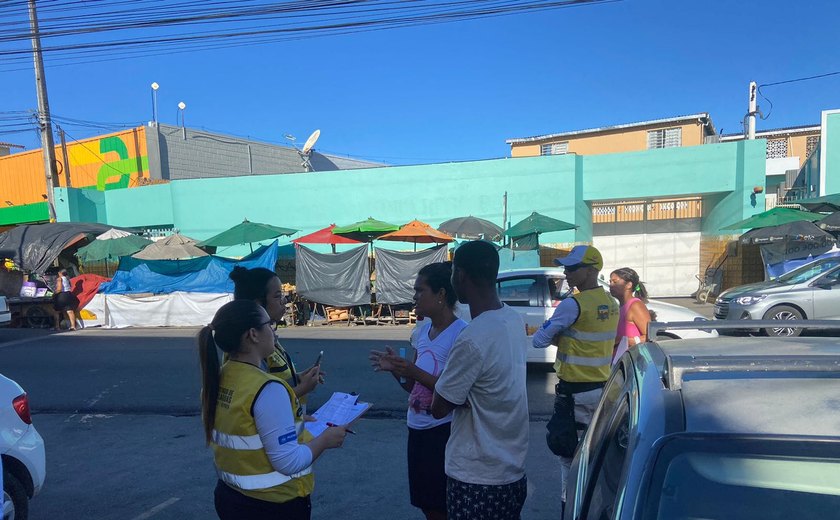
(484, 383)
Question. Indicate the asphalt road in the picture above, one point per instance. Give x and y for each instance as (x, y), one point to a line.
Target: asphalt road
(118, 410)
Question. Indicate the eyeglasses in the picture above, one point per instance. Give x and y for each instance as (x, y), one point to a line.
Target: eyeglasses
(270, 323)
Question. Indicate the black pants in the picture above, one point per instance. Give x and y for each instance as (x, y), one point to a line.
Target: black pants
(233, 505)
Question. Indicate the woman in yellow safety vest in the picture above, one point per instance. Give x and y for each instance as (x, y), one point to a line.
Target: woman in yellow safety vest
(263, 286)
(254, 421)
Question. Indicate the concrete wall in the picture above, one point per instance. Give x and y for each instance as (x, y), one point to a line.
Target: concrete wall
(192, 154)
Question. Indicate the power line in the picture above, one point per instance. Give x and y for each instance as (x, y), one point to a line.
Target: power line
(785, 82)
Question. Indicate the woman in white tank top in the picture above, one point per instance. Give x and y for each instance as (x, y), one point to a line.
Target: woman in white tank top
(432, 338)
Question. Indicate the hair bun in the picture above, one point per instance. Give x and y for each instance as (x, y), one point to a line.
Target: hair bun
(238, 273)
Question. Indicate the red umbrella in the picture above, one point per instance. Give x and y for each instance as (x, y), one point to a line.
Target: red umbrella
(325, 236)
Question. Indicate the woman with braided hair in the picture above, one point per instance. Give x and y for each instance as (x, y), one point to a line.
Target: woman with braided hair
(634, 316)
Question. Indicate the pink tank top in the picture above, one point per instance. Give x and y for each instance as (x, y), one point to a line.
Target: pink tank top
(626, 328)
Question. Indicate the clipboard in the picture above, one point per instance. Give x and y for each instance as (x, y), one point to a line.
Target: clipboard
(341, 409)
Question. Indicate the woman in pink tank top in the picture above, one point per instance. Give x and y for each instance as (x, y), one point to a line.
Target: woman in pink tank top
(634, 316)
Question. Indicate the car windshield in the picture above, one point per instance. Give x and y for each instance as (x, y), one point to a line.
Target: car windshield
(760, 484)
(808, 271)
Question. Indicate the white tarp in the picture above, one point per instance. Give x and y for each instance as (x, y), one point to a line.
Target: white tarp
(176, 309)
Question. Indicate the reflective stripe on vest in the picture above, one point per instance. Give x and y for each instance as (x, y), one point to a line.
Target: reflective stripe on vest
(238, 451)
(584, 350)
(585, 361)
(255, 482)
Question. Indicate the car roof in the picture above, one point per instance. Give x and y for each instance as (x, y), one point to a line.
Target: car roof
(531, 271)
(749, 386)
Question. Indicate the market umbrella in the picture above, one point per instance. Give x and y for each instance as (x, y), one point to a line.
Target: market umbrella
(831, 222)
(247, 233)
(536, 224)
(365, 230)
(774, 217)
(800, 231)
(173, 247)
(418, 232)
(112, 244)
(472, 228)
(825, 203)
(325, 236)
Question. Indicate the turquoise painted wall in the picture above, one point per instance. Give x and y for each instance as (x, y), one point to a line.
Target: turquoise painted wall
(559, 186)
(432, 193)
(138, 207)
(80, 205)
(832, 154)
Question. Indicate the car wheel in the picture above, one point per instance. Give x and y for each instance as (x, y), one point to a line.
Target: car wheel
(15, 501)
(782, 313)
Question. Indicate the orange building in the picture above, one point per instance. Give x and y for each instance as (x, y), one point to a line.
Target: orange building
(117, 160)
(690, 130)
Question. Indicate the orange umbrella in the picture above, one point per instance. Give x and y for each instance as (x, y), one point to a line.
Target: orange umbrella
(419, 233)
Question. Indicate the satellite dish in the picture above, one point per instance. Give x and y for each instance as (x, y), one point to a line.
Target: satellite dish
(307, 147)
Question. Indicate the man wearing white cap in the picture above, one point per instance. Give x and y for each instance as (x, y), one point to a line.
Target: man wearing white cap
(584, 326)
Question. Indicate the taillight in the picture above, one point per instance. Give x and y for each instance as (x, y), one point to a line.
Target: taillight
(21, 406)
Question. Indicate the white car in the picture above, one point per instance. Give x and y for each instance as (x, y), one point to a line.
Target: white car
(5, 313)
(22, 449)
(535, 292)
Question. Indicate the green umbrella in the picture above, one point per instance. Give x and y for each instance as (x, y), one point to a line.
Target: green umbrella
(247, 233)
(536, 224)
(827, 203)
(112, 248)
(365, 230)
(774, 217)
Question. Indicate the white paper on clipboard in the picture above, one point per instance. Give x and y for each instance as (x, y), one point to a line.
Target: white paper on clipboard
(341, 409)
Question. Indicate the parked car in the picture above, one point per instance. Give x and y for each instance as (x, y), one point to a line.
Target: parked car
(535, 292)
(716, 428)
(811, 291)
(22, 450)
(5, 312)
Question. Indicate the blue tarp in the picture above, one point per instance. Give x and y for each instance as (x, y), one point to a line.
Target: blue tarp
(208, 274)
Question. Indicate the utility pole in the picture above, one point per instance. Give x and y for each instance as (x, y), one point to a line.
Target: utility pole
(504, 217)
(66, 163)
(47, 144)
(751, 114)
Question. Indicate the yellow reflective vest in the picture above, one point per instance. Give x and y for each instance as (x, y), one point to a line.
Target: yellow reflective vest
(241, 461)
(584, 350)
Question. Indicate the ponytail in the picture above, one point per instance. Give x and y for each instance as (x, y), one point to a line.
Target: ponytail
(629, 275)
(209, 360)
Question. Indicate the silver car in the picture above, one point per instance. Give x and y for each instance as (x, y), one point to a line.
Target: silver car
(534, 293)
(808, 292)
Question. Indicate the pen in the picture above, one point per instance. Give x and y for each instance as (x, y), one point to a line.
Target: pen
(320, 355)
(348, 430)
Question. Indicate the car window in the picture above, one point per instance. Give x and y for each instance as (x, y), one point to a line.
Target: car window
(606, 475)
(612, 392)
(832, 277)
(521, 292)
(558, 289)
(806, 272)
(730, 479)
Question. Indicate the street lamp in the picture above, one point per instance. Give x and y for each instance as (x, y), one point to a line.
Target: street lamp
(181, 107)
(155, 88)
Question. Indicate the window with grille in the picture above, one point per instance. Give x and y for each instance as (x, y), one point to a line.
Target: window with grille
(665, 138)
(811, 144)
(555, 148)
(777, 148)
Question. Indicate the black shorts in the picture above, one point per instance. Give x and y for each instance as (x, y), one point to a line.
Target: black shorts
(65, 301)
(426, 476)
(233, 505)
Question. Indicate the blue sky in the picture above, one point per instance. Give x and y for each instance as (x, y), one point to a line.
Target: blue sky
(456, 91)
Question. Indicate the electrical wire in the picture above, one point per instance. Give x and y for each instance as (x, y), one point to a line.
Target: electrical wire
(785, 82)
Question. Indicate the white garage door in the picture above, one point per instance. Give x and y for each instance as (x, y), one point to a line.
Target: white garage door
(666, 262)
